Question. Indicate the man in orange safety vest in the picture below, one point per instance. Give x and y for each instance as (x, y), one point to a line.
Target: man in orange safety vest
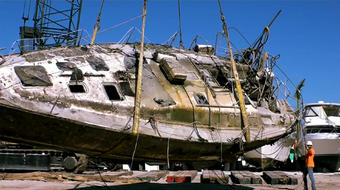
(310, 152)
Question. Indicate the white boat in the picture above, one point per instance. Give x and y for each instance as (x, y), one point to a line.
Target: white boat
(321, 122)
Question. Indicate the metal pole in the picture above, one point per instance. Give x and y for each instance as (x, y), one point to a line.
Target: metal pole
(71, 18)
(237, 80)
(298, 123)
(96, 26)
(180, 27)
(139, 78)
(78, 21)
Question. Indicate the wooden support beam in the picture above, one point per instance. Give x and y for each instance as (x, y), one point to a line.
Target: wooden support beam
(139, 77)
(279, 177)
(245, 123)
(245, 177)
(214, 176)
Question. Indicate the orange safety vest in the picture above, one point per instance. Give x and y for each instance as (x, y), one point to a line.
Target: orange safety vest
(310, 158)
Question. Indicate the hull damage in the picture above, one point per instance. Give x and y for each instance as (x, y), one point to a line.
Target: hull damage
(81, 99)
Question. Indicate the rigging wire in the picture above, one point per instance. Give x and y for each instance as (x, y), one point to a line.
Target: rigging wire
(171, 39)
(120, 24)
(242, 36)
(134, 150)
(126, 37)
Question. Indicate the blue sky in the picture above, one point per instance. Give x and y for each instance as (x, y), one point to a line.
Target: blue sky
(306, 34)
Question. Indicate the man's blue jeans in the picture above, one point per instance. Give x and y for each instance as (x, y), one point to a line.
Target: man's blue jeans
(309, 171)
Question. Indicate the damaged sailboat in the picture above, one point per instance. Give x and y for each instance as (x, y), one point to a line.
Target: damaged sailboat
(82, 99)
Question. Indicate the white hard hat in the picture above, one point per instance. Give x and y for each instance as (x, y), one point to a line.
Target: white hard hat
(309, 143)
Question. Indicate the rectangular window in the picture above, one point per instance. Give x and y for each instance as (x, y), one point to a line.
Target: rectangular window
(112, 92)
(126, 88)
(77, 88)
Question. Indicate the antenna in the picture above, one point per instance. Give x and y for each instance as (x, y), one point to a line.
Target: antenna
(54, 25)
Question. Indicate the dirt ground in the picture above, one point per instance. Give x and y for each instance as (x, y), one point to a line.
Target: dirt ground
(329, 181)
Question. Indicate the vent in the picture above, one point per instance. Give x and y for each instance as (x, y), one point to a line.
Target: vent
(112, 92)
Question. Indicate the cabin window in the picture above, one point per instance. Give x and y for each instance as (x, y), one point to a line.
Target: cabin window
(77, 88)
(112, 92)
(201, 99)
(126, 88)
(33, 75)
(322, 129)
(332, 110)
(315, 111)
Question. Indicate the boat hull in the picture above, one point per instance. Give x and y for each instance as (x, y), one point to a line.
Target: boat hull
(46, 130)
(269, 155)
(327, 150)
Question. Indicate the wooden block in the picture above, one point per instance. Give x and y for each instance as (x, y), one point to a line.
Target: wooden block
(278, 177)
(151, 175)
(238, 177)
(181, 177)
(293, 180)
(255, 179)
(245, 177)
(214, 176)
(170, 179)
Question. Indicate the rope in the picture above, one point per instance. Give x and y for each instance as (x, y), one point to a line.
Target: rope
(127, 35)
(171, 39)
(153, 124)
(100, 175)
(200, 138)
(55, 103)
(134, 151)
(120, 24)
(127, 126)
(167, 152)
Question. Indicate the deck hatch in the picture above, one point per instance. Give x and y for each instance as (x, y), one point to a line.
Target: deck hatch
(33, 75)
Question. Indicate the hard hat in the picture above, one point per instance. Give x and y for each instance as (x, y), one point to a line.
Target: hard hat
(309, 143)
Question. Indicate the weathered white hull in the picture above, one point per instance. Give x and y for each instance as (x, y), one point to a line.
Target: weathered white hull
(327, 150)
(69, 135)
(194, 120)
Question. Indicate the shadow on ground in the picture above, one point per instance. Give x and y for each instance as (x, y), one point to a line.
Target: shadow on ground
(183, 186)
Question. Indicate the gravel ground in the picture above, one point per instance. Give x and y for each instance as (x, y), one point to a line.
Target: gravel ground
(329, 181)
